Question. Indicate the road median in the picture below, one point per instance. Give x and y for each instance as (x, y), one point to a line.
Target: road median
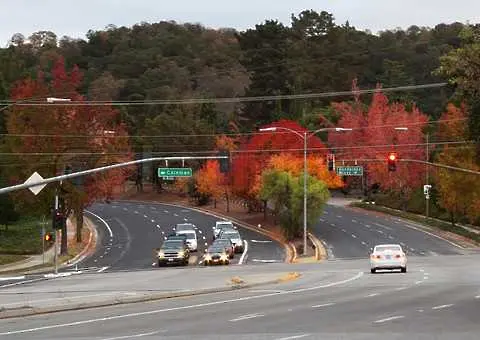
(66, 301)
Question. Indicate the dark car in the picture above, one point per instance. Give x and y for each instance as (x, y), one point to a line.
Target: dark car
(216, 254)
(173, 252)
(227, 244)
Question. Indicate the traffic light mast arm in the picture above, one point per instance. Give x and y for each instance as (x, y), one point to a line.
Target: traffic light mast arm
(101, 169)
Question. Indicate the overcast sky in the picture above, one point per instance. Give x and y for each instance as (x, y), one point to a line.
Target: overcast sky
(75, 18)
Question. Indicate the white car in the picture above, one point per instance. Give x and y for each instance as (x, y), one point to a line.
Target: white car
(388, 256)
(219, 225)
(192, 242)
(235, 237)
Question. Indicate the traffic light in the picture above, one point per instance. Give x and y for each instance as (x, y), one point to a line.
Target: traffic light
(224, 162)
(58, 220)
(392, 161)
(49, 237)
(331, 162)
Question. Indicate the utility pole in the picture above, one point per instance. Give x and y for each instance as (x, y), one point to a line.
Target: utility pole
(427, 179)
(305, 192)
(55, 257)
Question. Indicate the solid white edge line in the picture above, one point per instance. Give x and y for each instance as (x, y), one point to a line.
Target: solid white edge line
(102, 220)
(205, 304)
(246, 317)
(12, 278)
(390, 319)
(242, 258)
(132, 336)
(477, 297)
(21, 283)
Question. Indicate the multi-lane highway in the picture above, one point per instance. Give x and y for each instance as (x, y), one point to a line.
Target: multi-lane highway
(350, 233)
(130, 231)
(438, 299)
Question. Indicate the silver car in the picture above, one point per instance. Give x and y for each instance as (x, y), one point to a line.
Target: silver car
(235, 237)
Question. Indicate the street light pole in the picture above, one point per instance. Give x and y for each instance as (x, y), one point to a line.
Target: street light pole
(305, 193)
(305, 137)
(427, 196)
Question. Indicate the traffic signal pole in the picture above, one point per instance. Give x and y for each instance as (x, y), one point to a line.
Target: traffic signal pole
(55, 256)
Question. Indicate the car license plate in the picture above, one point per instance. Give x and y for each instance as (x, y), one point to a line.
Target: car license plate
(389, 257)
(170, 260)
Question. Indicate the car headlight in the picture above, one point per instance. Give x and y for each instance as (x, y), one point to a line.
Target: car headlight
(208, 257)
(181, 253)
(161, 254)
(224, 257)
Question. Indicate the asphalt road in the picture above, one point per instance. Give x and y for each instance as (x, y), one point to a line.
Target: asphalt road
(350, 233)
(130, 231)
(438, 298)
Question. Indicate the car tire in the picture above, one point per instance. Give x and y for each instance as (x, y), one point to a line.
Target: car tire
(373, 270)
(205, 263)
(404, 269)
(160, 264)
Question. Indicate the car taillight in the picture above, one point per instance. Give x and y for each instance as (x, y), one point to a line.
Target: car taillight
(379, 256)
(398, 256)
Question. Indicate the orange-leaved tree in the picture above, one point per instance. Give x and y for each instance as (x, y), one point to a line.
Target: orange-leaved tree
(459, 192)
(210, 181)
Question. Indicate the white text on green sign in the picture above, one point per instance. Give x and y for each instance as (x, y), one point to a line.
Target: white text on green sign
(174, 172)
(349, 170)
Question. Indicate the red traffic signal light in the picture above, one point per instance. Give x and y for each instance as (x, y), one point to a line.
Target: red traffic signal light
(48, 237)
(392, 156)
(392, 161)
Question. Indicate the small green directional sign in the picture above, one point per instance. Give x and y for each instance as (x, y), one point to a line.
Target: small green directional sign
(349, 170)
(175, 172)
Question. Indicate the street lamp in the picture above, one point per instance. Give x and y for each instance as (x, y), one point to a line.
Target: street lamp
(305, 137)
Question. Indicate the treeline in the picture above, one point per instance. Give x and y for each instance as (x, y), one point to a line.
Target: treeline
(166, 60)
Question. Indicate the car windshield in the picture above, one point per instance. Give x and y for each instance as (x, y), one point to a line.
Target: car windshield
(224, 225)
(173, 244)
(223, 241)
(381, 249)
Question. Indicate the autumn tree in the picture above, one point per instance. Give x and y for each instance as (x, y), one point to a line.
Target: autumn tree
(50, 139)
(377, 131)
(210, 181)
(459, 192)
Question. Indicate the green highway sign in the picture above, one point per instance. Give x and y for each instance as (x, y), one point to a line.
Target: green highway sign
(175, 172)
(168, 178)
(349, 170)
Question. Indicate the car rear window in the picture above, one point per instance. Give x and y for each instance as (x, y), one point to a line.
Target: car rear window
(387, 248)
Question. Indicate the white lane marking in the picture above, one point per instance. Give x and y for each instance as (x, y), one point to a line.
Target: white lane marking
(442, 306)
(200, 305)
(206, 244)
(153, 264)
(103, 269)
(420, 310)
(390, 319)
(145, 216)
(176, 215)
(260, 241)
(158, 226)
(204, 237)
(324, 305)
(354, 236)
(344, 230)
(246, 317)
(132, 336)
(422, 270)
(477, 297)
(103, 221)
(354, 221)
(431, 234)
(245, 249)
(153, 208)
(264, 261)
(125, 209)
(294, 337)
(185, 219)
(266, 291)
(136, 212)
(372, 295)
(368, 226)
(325, 212)
(163, 233)
(165, 238)
(339, 216)
(153, 221)
(332, 224)
(418, 282)
(321, 220)
(21, 283)
(363, 242)
(400, 288)
(12, 278)
(200, 232)
(390, 237)
(379, 231)
(382, 226)
(165, 211)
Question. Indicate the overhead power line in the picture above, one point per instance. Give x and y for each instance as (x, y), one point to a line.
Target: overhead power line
(231, 99)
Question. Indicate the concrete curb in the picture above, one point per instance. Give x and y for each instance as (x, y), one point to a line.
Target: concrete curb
(28, 311)
(320, 251)
(90, 245)
(290, 251)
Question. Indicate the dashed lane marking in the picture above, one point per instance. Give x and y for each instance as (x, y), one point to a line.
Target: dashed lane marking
(165, 211)
(339, 216)
(354, 221)
(294, 336)
(246, 317)
(390, 319)
(354, 236)
(136, 212)
(185, 219)
(176, 215)
(324, 305)
(372, 295)
(344, 230)
(442, 306)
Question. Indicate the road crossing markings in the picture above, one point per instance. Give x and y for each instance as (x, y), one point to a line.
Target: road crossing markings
(390, 319)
